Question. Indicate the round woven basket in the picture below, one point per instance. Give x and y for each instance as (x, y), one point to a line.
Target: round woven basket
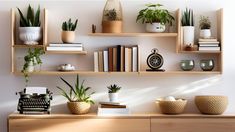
(213, 105)
(78, 107)
(172, 107)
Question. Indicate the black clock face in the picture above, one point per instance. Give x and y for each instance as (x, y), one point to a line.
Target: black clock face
(155, 61)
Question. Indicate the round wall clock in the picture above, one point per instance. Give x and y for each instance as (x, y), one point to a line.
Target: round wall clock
(155, 60)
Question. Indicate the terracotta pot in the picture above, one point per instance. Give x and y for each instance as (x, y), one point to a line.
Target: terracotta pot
(79, 107)
(112, 26)
(68, 36)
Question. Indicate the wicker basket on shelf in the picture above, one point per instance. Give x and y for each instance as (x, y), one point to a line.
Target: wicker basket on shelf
(78, 107)
(213, 105)
(172, 107)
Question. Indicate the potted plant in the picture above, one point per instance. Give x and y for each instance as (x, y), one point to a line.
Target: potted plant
(155, 17)
(31, 60)
(113, 92)
(112, 17)
(30, 30)
(187, 22)
(205, 26)
(68, 31)
(79, 101)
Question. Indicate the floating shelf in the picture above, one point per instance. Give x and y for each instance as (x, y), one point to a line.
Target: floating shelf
(134, 34)
(27, 46)
(200, 52)
(67, 52)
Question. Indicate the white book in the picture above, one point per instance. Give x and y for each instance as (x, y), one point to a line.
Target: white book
(96, 63)
(127, 60)
(217, 42)
(65, 48)
(113, 111)
(106, 63)
(134, 59)
(209, 48)
(65, 45)
(208, 39)
(208, 45)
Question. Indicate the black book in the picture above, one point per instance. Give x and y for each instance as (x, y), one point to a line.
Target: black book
(119, 57)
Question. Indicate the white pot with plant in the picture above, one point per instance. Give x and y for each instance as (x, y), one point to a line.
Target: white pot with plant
(155, 18)
(79, 100)
(30, 30)
(205, 26)
(187, 22)
(31, 60)
(113, 92)
(68, 31)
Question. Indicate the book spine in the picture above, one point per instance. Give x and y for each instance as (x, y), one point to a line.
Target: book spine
(110, 52)
(115, 59)
(105, 55)
(122, 66)
(119, 58)
(134, 59)
(101, 61)
(127, 60)
(96, 62)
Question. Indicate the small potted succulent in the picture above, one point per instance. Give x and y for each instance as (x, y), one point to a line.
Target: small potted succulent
(79, 100)
(205, 26)
(30, 30)
(113, 92)
(31, 60)
(68, 31)
(187, 22)
(155, 18)
(112, 17)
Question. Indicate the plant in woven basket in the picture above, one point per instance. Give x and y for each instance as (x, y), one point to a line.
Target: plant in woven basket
(113, 92)
(205, 26)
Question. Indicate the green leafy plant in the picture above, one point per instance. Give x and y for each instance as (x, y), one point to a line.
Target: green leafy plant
(69, 25)
(153, 13)
(187, 18)
(112, 15)
(33, 56)
(204, 22)
(114, 88)
(78, 93)
(31, 20)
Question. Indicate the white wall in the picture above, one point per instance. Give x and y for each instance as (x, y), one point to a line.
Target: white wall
(139, 92)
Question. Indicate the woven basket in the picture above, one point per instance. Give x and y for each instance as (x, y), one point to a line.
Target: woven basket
(172, 107)
(213, 105)
(78, 107)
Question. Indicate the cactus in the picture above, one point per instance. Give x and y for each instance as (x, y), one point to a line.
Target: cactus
(31, 20)
(69, 26)
(187, 18)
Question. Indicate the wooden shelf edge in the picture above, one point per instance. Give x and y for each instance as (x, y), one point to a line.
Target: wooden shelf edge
(27, 46)
(134, 34)
(200, 52)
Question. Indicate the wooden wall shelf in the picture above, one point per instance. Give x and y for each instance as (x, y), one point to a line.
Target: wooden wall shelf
(134, 34)
(67, 52)
(27, 46)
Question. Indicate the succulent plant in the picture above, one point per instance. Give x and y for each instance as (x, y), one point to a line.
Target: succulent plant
(78, 93)
(114, 88)
(187, 18)
(31, 20)
(205, 22)
(69, 26)
(112, 15)
(154, 13)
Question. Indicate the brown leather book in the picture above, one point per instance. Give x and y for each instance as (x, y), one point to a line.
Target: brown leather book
(110, 55)
(112, 106)
(101, 61)
(115, 59)
(122, 66)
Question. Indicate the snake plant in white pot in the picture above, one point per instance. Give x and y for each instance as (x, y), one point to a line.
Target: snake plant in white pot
(187, 22)
(113, 92)
(30, 30)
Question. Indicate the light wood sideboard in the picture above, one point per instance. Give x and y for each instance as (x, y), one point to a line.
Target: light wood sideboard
(130, 123)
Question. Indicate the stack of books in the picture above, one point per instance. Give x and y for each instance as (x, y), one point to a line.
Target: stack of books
(111, 108)
(65, 47)
(210, 44)
(119, 58)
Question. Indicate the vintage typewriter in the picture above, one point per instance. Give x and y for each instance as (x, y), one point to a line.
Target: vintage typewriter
(34, 102)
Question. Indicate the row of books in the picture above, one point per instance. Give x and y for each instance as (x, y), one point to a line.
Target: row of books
(112, 108)
(209, 44)
(118, 58)
(65, 47)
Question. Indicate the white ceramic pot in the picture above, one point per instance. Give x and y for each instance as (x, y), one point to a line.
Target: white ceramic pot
(30, 67)
(113, 97)
(205, 33)
(188, 35)
(155, 27)
(30, 35)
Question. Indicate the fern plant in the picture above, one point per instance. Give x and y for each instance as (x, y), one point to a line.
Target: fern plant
(69, 25)
(187, 18)
(114, 88)
(76, 93)
(205, 22)
(31, 19)
(154, 13)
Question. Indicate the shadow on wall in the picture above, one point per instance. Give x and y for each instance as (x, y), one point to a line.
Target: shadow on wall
(142, 94)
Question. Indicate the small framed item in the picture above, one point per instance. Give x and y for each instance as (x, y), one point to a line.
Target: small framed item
(155, 61)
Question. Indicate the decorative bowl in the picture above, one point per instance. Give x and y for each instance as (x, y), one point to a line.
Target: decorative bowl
(207, 65)
(172, 107)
